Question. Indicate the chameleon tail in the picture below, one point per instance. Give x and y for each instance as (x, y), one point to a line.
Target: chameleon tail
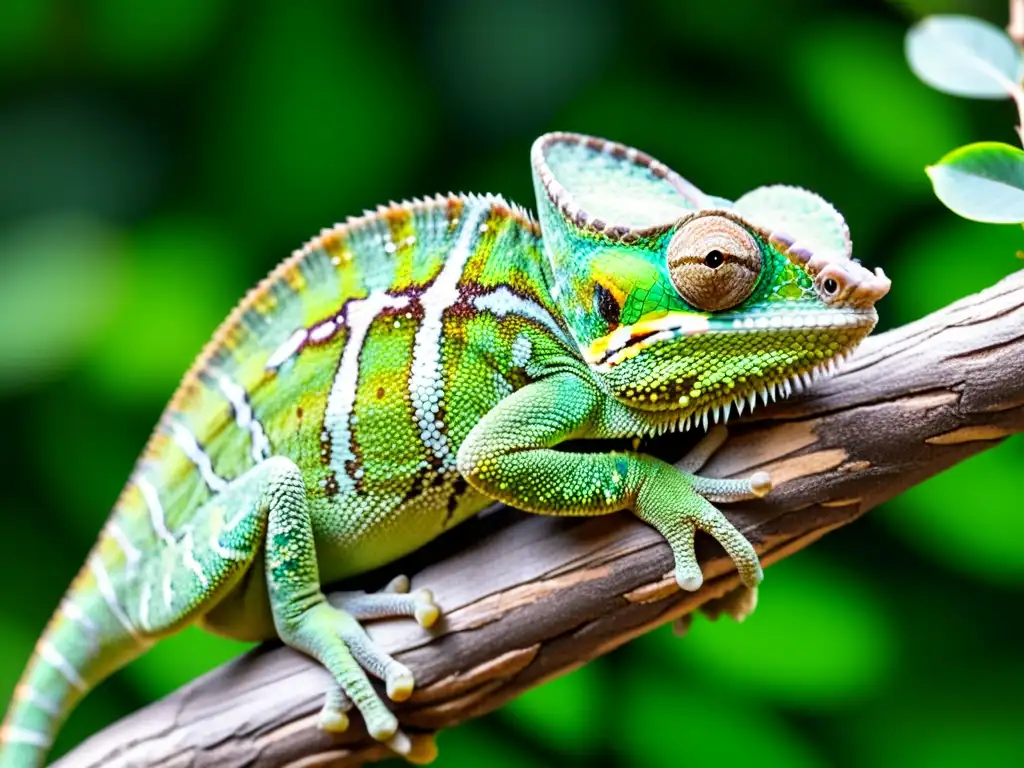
(87, 638)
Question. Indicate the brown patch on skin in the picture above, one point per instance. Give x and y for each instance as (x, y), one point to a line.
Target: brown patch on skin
(380, 393)
(298, 413)
(331, 489)
(969, 435)
(397, 220)
(294, 278)
(454, 214)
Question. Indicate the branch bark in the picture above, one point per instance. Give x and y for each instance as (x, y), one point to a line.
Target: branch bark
(527, 598)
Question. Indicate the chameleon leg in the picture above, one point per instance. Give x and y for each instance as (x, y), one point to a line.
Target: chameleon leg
(306, 621)
(510, 456)
(267, 506)
(738, 603)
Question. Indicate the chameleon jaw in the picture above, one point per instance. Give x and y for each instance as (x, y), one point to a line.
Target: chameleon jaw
(628, 341)
(720, 412)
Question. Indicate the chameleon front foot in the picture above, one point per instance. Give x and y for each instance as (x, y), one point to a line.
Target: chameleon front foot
(679, 503)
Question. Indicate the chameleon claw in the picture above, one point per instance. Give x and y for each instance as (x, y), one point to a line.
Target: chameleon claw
(426, 611)
(424, 749)
(332, 721)
(760, 484)
(399, 682)
(688, 580)
(333, 716)
(399, 743)
(398, 585)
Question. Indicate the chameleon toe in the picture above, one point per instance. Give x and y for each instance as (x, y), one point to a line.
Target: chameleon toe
(427, 611)
(382, 726)
(399, 743)
(398, 585)
(760, 484)
(400, 683)
(424, 749)
(332, 721)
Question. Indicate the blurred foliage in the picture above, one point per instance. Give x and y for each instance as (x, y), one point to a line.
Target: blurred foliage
(156, 159)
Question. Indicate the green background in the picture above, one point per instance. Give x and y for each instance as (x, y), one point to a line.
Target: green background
(158, 158)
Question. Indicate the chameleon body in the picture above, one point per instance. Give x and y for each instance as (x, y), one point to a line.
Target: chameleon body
(402, 370)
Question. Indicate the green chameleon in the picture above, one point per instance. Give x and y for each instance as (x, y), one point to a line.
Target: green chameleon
(402, 370)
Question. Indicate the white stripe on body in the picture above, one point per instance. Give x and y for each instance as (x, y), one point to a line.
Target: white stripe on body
(190, 560)
(27, 694)
(145, 595)
(74, 612)
(131, 553)
(156, 509)
(14, 734)
(286, 351)
(191, 448)
(107, 590)
(168, 590)
(501, 301)
(425, 384)
(53, 657)
(244, 417)
(359, 315)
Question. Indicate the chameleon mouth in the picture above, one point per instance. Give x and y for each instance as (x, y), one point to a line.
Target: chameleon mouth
(769, 392)
(628, 341)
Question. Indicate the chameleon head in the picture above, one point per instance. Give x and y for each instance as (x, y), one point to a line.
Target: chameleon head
(686, 304)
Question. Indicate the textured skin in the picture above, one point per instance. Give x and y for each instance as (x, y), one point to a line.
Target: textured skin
(404, 369)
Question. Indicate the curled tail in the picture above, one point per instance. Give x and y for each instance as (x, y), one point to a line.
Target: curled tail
(88, 637)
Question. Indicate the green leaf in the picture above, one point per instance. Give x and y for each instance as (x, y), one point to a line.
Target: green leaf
(982, 181)
(963, 56)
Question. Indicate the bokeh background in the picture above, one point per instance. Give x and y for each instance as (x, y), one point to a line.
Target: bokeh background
(157, 158)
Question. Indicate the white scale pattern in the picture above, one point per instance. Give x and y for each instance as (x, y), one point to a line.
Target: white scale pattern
(244, 417)
(191, 448)
(341, 400)
(425, 383)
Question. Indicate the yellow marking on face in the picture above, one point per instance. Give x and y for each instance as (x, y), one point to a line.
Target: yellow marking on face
(683, 323)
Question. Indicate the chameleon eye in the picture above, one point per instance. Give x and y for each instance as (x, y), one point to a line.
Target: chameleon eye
(714, 262)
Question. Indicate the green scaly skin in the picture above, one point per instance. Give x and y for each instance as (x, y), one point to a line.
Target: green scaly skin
(404, 369)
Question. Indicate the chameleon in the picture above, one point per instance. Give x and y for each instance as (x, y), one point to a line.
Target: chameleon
(404, 370)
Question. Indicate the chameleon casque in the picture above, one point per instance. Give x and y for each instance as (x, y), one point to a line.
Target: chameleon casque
(404, 369)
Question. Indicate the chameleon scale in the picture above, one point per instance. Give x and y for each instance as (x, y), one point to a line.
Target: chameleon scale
(404, 369)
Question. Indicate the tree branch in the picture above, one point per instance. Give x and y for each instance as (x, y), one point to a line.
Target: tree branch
(527, 597)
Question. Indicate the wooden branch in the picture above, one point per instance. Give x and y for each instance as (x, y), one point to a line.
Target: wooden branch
(536, 597)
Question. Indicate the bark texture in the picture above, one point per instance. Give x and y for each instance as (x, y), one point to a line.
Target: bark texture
(527, 598)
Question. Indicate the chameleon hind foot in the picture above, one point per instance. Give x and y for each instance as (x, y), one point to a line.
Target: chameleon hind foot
(393, 600)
